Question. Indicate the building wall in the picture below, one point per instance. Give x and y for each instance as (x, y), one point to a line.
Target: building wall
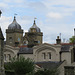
(43, 51)
(13, 36)
(66, 56)
(27, 56)
(61, 68)
(43, 55)
(33, 38)
(10, 52)
(38, 55)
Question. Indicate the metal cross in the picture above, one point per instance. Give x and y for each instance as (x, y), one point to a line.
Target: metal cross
(35, 18)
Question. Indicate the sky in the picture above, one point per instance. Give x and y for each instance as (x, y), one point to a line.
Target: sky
(53, 17)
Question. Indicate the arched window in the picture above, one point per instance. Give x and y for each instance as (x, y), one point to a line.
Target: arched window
(44, 55)
(10, 39)
(5, 57)
(49, 55)
(9, 56)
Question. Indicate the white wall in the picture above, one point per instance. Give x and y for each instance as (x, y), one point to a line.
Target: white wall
(66, 56)
(27, 56)
(46, 48)
(10, 50)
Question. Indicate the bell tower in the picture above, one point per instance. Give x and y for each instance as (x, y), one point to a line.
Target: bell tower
(33, 36)
(14, 34)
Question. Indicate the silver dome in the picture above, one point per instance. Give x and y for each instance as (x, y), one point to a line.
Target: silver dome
(14, 25)
(35, 26)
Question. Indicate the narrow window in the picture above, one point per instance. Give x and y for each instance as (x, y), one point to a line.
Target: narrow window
(44, 55)
(5, 57)
(49, 55)
(10, 39)
(9, 56)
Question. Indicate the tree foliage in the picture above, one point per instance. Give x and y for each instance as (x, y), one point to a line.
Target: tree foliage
(46, 72)
(72, 39)
(20, 66)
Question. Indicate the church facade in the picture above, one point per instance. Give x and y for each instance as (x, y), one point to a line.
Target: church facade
(48, 56)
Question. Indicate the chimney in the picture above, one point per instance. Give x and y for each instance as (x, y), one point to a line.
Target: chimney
(58, 40)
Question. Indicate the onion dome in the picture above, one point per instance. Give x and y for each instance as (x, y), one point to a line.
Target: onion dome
(14, 25)
(35, 27)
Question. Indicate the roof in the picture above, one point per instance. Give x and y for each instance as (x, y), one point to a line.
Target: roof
(65, 47)
(35, 26)
(1, 35)
(23, 46)
(25, 50)
(14, 25)
(49, 64)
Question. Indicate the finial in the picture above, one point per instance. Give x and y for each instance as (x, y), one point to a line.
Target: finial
(0, 13)
(34, 20)
(14, 18)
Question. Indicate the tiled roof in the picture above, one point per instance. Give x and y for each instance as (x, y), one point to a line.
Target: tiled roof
(66, 47)
(23, 46)
(14, 25)
(49, 64)
(25, 50)
(35, 27)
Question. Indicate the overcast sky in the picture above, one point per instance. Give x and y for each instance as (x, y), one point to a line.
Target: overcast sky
(53, 16)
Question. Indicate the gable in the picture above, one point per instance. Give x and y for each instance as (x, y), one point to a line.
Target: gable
(45, 46)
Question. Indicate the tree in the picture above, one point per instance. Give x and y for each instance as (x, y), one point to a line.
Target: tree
(46, 72)
(72, 39)
(20, 66)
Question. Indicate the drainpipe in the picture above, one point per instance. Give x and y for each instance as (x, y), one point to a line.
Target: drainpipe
(60, 56)
(17, 55)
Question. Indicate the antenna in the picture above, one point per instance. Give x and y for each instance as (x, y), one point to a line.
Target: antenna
(64, 40)
(67, 41)
(60, 35)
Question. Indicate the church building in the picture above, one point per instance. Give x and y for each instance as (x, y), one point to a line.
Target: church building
(33, 36)
(47, 56)
(14, 34)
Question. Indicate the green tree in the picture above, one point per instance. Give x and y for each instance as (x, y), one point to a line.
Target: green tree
(72, 39)
(20, 66)
(46, 72)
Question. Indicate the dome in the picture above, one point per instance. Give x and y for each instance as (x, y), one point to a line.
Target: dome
(35, 27)
(14, 25)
